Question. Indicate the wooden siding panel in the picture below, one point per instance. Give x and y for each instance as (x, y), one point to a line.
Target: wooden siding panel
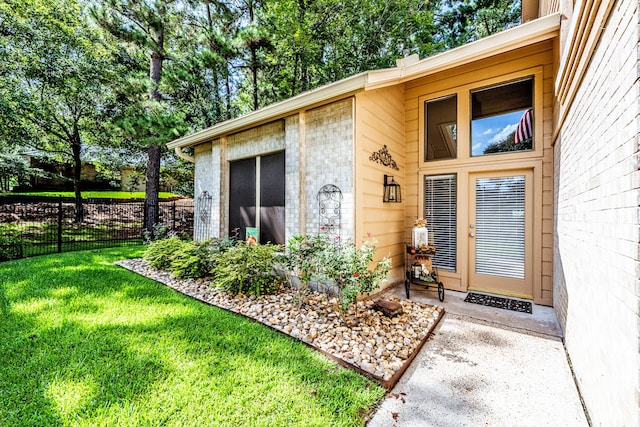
(380, 118)
(538, 57)
(487, 68)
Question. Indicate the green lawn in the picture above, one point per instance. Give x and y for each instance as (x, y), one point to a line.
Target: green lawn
(92, 194)
(84, 342)
(41, 238)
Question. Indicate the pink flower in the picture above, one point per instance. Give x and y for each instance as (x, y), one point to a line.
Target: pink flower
(356, 275)
(323, 228)
(369, 234)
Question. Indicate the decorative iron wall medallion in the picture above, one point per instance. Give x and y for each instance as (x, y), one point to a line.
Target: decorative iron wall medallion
(203, 216)
(383, 157)
(329, 204)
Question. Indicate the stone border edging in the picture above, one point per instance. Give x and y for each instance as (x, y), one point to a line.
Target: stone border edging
(388, 384)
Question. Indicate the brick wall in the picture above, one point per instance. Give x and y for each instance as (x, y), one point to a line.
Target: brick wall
(596, 286)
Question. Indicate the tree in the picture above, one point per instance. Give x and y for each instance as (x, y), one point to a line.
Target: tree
(508, 144)
(53, 70)
(200, 78)
(253, 40)
(14, 169)
(315, 42)
(146, 27)
(463, 21)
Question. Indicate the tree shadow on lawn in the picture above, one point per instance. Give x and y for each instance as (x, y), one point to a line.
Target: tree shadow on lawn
(60, 354)
(53, 374)
(96, 339)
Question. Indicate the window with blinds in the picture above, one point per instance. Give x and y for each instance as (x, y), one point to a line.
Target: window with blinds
(440, 213)
(500, 226)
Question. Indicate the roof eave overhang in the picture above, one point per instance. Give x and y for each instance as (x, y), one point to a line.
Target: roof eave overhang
(524, 35)
(340, 89)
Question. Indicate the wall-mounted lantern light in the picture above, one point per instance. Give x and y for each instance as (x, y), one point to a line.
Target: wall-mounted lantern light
(392, 192)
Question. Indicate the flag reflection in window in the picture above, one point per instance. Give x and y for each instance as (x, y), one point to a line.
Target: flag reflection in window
(502, 118)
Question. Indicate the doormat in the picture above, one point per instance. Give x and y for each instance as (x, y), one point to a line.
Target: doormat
(499, 302)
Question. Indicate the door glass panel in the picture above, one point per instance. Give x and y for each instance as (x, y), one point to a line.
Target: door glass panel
(242, 196)
(272, 176)
(502, 118)
(441, 133)
(500, 226)
(440, 213)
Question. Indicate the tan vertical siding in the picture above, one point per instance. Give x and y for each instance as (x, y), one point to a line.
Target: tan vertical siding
(380, 120)
(538, 60)
(548, 7)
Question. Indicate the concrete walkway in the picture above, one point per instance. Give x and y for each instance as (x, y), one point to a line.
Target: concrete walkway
(485, 367)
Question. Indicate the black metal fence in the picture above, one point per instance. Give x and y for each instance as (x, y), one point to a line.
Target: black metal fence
(38, 226)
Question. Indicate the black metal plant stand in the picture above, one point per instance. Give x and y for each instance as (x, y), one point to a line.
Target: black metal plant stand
(416, 274)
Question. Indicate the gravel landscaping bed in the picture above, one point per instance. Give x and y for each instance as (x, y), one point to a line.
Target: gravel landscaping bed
(375, 344)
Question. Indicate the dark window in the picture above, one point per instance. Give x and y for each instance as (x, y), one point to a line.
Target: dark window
(272, 198)
(243, 184)
(242, 196)
(441, 128)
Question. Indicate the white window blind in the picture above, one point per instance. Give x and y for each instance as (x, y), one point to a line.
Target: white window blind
(500, 204)
(440, 213)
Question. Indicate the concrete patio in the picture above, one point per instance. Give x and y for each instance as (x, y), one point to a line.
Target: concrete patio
(485, 366)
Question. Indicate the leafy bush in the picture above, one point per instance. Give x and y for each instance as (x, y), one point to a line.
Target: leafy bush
(160, 232)
(299, 262)
(324, 259)
(247, 269)
(192, 260)
(198, 260)
(185, 258)
(10, 246)
(162, 253)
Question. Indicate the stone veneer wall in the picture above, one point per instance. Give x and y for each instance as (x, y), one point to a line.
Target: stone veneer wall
(293, 162)
(329, 159)
(596, 274)
(256, 141)
(318, 148)
(204, 226)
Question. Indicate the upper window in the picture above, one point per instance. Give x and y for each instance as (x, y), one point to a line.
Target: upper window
(440, 117)
(502, 118)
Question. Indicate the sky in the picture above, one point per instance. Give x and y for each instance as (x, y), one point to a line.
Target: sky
(493, 129)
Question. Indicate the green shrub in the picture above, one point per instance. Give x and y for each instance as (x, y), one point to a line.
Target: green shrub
(324, 259)
(247, 269)
(162, 253)
(190, 261)
(160, 232)
(10, 246)
(299, 263)
(185, 258)
(198, 260)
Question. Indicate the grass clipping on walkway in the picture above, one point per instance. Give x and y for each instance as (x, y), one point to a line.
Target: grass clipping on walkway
(84, 342)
